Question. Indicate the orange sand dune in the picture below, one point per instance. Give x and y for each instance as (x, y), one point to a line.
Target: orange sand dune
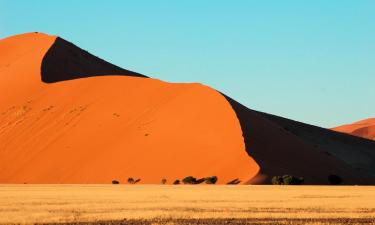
(94, 130)
(364, 128)
(67, 116)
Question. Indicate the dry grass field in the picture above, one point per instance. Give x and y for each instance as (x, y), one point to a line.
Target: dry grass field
(185, 204)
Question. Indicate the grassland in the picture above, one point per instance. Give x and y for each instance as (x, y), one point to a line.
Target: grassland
(186, 204)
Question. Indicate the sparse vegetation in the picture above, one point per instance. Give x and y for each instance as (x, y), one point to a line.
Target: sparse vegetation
(212, 204)
(176, 182)
(334, 179)
(189, 180)
(277, 180)
(287, 180)
(211, 180)
(234, 182)
(131, 180)
(199, 181)
(115, 182)
(163, 181)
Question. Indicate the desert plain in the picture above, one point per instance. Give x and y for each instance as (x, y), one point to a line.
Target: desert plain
(186, 204)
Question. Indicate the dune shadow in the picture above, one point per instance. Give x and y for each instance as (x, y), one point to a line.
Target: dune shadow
(282, 146)
(65, 61)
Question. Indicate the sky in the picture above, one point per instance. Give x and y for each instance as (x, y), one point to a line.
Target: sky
(311, 61)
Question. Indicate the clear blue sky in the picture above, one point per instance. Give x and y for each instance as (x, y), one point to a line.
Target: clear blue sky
(312, 61)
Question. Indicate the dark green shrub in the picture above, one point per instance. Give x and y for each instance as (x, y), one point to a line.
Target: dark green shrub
(277, 180)
(189, 180)
(176, 182)
(163, 181)
(287, 180)
(334, 179)
(115, 182)
(292, 180)
(211, 180)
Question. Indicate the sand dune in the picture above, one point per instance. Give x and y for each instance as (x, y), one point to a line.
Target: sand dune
(67, 116)
(363, 128)
(97, 129)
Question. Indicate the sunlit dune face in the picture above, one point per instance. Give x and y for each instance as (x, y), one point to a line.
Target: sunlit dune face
(363, 128)
(99, 129)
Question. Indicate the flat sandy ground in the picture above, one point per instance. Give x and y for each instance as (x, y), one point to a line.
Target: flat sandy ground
(185, 204)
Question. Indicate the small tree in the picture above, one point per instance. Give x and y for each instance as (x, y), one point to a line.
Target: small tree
(176, 182)
(131, 180)
(163, 181)
(115, 182)
(189, 180)
(211, 180)
(334, 179)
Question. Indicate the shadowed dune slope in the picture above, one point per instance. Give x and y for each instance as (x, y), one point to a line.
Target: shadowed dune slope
(98, 129)
(65, 61)
(67, 116)
(282, 146)
(363, 128)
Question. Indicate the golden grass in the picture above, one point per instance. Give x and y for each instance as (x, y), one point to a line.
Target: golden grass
(74, 203)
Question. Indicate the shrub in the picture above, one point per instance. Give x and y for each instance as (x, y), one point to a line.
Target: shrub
(292, 180)
(277, 180)
(287, 180)
(163, 181)
(234, 182)
(176, 182)
(189, 180)
(130, 180)
(199, 181)
(211, 180)
(137, 181)
(115, 182)
(334, 179)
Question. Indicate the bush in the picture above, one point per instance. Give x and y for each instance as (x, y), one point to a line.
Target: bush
(115, 182)
(287, 180)
(234, 182)
(292, 180)
(189, 180)
(163, 181)
(176, 182)
(130, 180)
(199, 181)
(277, 180)
(211, 180)
(334, 179)
(137, 181)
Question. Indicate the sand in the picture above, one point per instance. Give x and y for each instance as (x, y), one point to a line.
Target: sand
(364, 128)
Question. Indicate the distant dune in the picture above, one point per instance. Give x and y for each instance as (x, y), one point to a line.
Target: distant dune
(67, 116)
(363, 128)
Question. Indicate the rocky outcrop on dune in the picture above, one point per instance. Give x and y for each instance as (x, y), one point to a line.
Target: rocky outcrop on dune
(67, 116)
